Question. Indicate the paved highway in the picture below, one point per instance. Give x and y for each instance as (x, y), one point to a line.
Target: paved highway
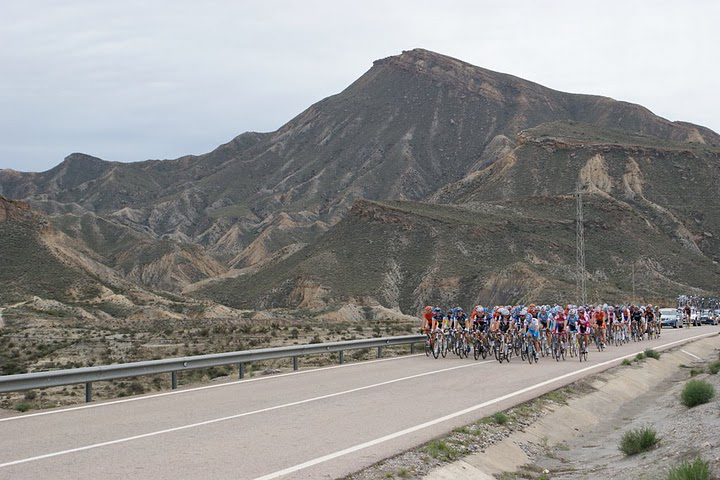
(322, 423)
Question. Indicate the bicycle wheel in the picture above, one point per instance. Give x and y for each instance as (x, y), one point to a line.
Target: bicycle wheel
(484, 350)
(437, 346)
(528, 354)
(428, 347)
(443, 346)
(476, 349)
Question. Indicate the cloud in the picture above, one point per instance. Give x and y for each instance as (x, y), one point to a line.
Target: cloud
(134, 80)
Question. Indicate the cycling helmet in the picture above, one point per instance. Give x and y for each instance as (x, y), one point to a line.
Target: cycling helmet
(458, 309)
(428, 308)
(479, 308)
(528, 317)
(437, 310)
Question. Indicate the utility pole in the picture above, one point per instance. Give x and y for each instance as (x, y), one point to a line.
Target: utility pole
(580, 249)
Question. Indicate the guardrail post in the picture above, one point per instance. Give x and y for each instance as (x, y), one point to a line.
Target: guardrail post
(174, 380)
(412, 348)
(379, 352)
(341, 357)
(295, 363)
(241, 370)
(88, 392)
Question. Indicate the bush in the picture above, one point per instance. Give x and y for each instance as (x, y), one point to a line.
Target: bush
(440, 450)
(640, 356)
(500, 418)
(626, 362)
(638, 440)
(714, 368)
(697, 392)
(698, 469)
(650, 353)
(23, 406)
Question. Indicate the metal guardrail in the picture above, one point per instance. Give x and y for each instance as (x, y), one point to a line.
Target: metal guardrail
(88, 375)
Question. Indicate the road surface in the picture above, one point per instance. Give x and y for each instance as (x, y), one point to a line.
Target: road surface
(312, 424)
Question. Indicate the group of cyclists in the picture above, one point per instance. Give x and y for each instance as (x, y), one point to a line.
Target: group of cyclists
(535, 330)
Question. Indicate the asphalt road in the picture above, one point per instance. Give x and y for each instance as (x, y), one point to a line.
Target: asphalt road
(322, 423)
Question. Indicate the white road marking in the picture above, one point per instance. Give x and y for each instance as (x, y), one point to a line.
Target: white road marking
(694, 356)
(206, 387)
(240, 415)
(451, 416)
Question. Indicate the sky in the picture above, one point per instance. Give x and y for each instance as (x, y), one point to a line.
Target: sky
(136, 80)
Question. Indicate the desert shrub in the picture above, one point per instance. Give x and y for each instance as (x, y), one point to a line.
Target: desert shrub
(697, 392)
(698, 469)
(650, 353)
(638, 440)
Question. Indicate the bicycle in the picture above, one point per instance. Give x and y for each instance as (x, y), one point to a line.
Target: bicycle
(583, 349)
(530, 354)
(573, 344)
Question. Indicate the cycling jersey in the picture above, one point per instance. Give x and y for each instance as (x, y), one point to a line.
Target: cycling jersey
(461, 320)
(480, 323)
(504, 325)
(559, 324)
(543, 317)
(533, 327)
(572, 323)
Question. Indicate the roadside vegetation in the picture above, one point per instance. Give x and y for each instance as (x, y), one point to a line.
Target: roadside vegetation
(698, 469)
(35, 340)
(697, 392)
(638, 440)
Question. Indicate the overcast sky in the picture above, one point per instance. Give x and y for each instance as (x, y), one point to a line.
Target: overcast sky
(135, 80)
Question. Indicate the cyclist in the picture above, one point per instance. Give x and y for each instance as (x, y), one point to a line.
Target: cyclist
(462, 325)
(559, 325)
(599, 317)
(637, 321)
(427, 320)
(583, 329)
(543, 317)
(572, 322)
(532, 326)
(480, 323)
(650, 319)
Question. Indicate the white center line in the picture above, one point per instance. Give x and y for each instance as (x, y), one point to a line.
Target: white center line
(451, 416)
(240, 415)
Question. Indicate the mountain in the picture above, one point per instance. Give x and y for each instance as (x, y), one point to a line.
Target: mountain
(36, 258)
(417, 127)
(506, 232)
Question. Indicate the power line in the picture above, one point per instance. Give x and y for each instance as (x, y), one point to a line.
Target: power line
(580, 249)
